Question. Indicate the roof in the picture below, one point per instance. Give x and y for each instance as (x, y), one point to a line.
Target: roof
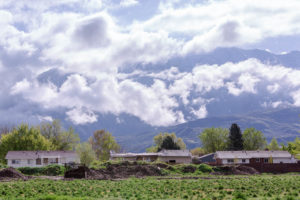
(38, 154)
(163, 153)
(207, 158)
(175, 153)
(252, 154)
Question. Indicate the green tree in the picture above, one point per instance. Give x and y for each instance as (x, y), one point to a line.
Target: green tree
(235, 142)
(85, 153)
(273, 145)
(169, 144)
(60, 138)
(23, 138)
(102, 143)
(197, 151)
(253, 139)
(161, 137)
(214, 139)
(293, 147)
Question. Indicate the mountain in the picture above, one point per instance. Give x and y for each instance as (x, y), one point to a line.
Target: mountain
(245, 109)
(283, 124)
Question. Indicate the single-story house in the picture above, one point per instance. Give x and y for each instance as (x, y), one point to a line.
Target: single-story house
(168, 156)
(253, 157)
(40, 158)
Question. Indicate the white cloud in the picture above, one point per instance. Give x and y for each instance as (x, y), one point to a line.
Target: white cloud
(201, 112)
(128, 3)
(81, 116)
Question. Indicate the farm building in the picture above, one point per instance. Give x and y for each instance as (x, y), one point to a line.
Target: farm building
(40, 158)
(169, 156)
(253, 157)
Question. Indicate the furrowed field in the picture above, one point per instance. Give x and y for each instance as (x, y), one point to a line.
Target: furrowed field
(210, 187)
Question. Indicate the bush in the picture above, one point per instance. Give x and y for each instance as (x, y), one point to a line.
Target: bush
(205, 168)
(50, 170)
(3, 166)
(53, 170)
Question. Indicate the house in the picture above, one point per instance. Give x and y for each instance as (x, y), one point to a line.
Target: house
(253, 157)
(40, 158)
(168, 156)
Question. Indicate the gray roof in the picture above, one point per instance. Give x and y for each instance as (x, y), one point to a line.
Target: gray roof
(252, 154)
(175, 153)
(207, 158)
(163, 153)
(38, 154)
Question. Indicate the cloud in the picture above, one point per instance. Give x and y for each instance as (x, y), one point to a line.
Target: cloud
(81, 116)
(128, 3)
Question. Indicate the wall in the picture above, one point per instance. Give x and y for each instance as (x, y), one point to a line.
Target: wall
(178, 159)
(24, 162)
(236, 161)
(276, 167)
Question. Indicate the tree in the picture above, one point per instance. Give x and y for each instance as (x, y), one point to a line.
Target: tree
(197, 151)
(85, 153)
(23, 138)
(253, 139)
(169, 143)
(235, 142)
(102, 143)
(273, 145)
(161, 138)
(61, 139)
(214, 139)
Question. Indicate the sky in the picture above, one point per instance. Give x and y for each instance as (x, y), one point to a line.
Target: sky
(92, 46)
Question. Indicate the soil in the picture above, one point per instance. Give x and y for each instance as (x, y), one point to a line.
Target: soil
(235, 170)
(115, 171)
(11, 174)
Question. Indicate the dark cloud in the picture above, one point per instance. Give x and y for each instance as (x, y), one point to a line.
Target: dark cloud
(92, 33)
(229, 31)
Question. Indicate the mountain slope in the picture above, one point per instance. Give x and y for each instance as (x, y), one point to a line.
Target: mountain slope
(283, 124)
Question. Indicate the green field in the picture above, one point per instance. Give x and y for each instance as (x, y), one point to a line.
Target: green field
(218, 187)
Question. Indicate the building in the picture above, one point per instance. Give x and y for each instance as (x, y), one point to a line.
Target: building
(253, 157)
(168, 156)
(40, 158)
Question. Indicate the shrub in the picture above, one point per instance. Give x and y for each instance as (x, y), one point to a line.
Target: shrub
(53, 170)
(205, 168)
(3, 166)
(50, 170)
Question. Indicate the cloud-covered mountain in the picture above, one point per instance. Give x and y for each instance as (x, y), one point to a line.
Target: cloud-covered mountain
(135, 66)
(223, 87)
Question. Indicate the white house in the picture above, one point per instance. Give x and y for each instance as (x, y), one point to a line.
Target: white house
(40, 158)
(169, 156)
(253, 157)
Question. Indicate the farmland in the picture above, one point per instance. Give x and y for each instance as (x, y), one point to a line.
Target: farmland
(205, 187)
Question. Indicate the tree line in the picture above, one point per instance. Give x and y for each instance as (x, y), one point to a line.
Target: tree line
(222, 139)
(52, 136)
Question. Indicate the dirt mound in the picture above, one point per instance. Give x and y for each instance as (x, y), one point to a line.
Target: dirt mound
(114, 171)
(234, 170)
(11, 173)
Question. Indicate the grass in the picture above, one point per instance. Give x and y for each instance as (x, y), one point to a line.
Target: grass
(220, 187)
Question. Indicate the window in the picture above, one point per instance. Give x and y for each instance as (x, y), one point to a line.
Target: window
(29, 161)
(15, 162)
(53, 160)
(243, 160)
(257, 160)
(230, 160)
(38, 161)
(172, 161)
(266, 160)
